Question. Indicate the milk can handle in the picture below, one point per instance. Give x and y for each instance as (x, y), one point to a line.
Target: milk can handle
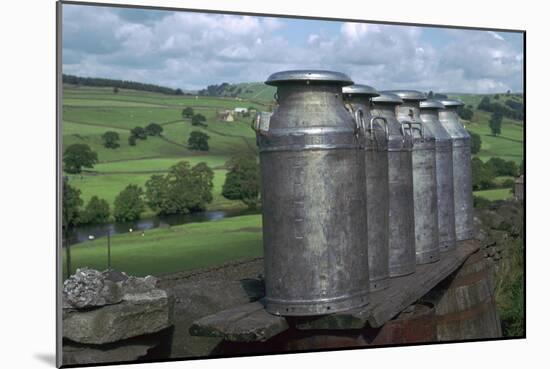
(386, 131)
(359, 121)
(403, 128)
(416, 124)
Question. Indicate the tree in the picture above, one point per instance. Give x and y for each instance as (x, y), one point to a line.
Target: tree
(153, 129)
(430, 95)
(198, 120)
(78, 156)
(495, 123)
(70, 215)
(157, 194)
(115, 90)
(187, 112)
(482, 175)
(96, 211)
(70, 208)
(242, 181)
(182, 190)
(502, 167)
(139, 133)
(475, 140)
(465, 113)
(202, 177)
(485, 104)
(198, 141)
(110, 139)
(178, 91)
(132, 140)
(129, 204)
(497, 96)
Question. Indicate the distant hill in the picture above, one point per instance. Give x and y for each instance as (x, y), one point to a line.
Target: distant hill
(131, 85)
(253, 91)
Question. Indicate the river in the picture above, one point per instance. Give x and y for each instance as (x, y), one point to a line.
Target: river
(86, 232)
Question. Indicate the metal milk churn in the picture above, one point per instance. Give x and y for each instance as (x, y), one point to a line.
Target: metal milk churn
(375, 132)
(426, 229)
(313, 198)
(401, 243)
(429, 113)
(462, 169)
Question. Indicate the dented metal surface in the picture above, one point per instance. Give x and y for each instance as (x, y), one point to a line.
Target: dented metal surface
(462, 169)
(401, 244)
(424, 177)
(429, 113)
(314, 201)
(375, 133)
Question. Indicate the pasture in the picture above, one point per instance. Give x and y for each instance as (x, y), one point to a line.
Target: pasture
(88, 112)
(173, 249)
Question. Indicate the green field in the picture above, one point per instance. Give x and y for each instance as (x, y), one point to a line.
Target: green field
(509, 144)
(178, 248)
(88, 112)
(495, 194)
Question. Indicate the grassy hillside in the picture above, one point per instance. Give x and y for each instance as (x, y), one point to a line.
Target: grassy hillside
(509, 144)
(88, 112)
(173, 249)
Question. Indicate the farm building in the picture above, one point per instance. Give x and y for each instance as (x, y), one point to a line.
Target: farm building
(226, 115)
(241, 110)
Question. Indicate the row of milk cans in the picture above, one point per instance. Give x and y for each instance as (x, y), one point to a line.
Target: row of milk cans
(358, 186)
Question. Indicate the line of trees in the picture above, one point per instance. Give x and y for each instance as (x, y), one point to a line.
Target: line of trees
(140, 133)
(96, 209)
(116, 84)
(484, 174)
(504, 110)
(184, 189)
(196, 119)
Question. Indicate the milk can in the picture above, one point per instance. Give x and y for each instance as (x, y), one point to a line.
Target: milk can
(429, 113)
(313, 198)
(375, 132)
(401, 243)
(462, 169)
(424, 180)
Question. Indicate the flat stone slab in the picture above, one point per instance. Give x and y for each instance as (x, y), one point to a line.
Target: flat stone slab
(244, 323)
(252, 323)
(136, 315)
(75, 355)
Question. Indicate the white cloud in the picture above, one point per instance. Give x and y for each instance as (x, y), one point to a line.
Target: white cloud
(191, 50)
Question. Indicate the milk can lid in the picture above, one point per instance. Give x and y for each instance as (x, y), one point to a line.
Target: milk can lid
(360, 90)
(387, 97)
(451, 102)
(410, 95)
(309, 75)
(431, 104)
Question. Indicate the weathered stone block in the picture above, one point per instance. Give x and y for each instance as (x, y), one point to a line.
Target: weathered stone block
(137, 314)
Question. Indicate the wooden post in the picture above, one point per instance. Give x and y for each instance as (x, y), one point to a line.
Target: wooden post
(68, 257)
(109, 249)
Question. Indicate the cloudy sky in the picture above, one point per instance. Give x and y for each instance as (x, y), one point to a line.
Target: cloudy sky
(192, 50)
